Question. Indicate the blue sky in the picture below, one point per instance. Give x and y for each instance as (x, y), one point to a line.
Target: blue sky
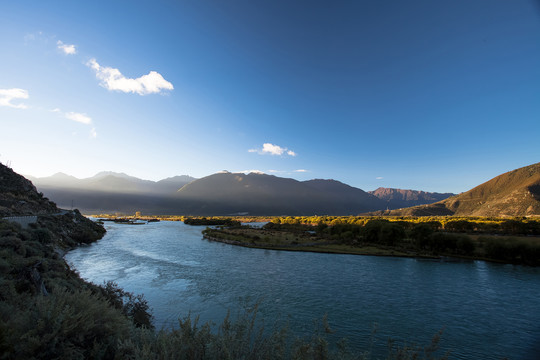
(428, 95)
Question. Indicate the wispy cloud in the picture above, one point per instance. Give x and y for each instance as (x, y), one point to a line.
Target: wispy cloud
(78, 117)
(112, 79)
(7, 95)
(301, 171)
(66, 48)
(379, 178)
(272, 149)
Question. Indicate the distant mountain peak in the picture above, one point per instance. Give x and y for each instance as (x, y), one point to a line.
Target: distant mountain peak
(514, 193)
(103, 174)
(61, 175)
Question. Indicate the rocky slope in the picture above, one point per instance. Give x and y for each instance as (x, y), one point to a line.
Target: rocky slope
(399, 198)
(19, 197)
(515, 193)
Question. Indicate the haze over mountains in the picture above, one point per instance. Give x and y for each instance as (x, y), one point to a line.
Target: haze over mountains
(108, 181)
(223, 193)
(515, 193)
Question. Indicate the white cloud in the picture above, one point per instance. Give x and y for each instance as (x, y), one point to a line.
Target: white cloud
(301, 171)
(272, 150)
(112, 79)
(379, 178)
(78, 117)
(66, 48)
(7, 95)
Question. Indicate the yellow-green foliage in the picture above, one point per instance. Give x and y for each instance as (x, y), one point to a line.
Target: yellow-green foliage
(517, 225)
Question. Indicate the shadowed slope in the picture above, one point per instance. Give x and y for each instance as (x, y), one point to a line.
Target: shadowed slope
(230, 193)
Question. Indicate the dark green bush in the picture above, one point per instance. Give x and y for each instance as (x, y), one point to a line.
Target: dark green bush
(512, 250)
(420, 233)
(391, 234)
(383, 232)
(44, 236)
(465, 245)
(449, 243)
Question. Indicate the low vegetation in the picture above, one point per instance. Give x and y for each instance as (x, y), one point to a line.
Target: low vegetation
(474, 238)
(47, 311)
(211, 221)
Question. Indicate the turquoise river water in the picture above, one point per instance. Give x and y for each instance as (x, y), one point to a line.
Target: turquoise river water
(486, 311)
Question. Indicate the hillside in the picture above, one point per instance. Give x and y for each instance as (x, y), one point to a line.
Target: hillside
(515, 193)
(19, 197)
(261, 194)
(48, 311)
(399, 198)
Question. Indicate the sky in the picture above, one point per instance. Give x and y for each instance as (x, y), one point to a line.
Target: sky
(426, 95)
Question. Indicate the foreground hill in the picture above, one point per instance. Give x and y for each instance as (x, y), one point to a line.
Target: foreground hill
(515, 193)
(19, 198)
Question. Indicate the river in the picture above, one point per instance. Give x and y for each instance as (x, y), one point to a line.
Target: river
(486, 310)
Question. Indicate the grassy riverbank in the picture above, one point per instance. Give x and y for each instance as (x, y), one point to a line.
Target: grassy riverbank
(383, 237)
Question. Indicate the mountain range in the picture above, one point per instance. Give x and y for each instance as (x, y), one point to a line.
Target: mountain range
(222, 193)
(399, 198)
(108, 181)
(515, 193)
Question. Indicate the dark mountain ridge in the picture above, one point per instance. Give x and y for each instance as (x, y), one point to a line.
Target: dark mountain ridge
(223, 193)
(254, 193)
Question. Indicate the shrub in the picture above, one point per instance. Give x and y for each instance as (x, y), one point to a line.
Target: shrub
(383, 231)
(420, 233)
(66, 325)
(465, 245)
(390, 233)
(43, 236)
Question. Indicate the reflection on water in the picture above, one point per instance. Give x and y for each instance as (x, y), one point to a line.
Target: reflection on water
(486, 310)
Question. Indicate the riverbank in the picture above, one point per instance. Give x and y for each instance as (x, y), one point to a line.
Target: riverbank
(382, 239)
(321, 247)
